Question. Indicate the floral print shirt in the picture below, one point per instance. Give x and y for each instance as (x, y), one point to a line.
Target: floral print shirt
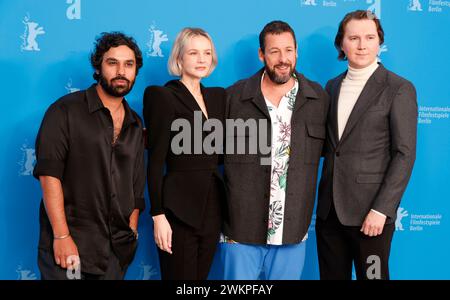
(281, 145)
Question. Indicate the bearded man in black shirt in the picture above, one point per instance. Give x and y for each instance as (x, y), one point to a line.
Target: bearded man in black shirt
(90, 163)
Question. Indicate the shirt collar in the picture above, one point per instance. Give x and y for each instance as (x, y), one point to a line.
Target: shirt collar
(95, 104)
(93, 100)
(294, 89)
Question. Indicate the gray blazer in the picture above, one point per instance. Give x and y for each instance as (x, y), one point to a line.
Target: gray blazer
(369, 167)
(248, 182)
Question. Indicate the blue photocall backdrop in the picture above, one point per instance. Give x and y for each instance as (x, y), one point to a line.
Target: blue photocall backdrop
(44, 54)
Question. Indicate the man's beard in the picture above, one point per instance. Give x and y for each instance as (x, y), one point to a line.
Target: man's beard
(279, 79)
(116, 90)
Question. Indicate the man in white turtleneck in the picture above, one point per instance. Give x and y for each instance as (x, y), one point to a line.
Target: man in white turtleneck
(369, 155)
(351, 88)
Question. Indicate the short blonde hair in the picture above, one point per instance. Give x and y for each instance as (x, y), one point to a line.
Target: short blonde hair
(178, 49)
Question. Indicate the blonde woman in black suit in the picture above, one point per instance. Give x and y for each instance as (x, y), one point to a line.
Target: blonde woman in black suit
(186, 200)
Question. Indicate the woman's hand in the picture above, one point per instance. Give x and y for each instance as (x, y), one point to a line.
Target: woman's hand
(162, 233)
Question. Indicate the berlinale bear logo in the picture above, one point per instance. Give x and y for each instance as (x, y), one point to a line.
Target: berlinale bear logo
(156, 39)
(29, 36)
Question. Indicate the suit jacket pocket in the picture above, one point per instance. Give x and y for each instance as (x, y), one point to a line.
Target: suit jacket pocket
(370, 178)
(314, 142)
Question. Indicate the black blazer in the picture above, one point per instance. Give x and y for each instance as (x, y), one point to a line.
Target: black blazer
(369, 167)
(183, 188)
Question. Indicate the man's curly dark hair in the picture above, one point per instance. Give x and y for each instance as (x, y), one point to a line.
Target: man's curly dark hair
(108, 40)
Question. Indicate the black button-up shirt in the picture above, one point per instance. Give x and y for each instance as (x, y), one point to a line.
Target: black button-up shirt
(102, 182)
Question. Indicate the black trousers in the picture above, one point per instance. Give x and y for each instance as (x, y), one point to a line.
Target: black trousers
(193, 249)
(339, 246)
(51, 271)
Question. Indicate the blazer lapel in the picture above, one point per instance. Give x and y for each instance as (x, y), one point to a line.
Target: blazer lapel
(374, 86)
(305, 93)
(210, 103)
(332, 125)
(252, 90)
(184, 95)
(260, 102)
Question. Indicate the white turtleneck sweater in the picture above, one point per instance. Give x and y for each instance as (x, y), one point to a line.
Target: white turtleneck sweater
(351, 88)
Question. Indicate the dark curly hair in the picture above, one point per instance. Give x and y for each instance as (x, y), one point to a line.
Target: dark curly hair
(109, 40)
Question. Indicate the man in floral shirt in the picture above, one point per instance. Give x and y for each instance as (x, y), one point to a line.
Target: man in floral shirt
(271, 193)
